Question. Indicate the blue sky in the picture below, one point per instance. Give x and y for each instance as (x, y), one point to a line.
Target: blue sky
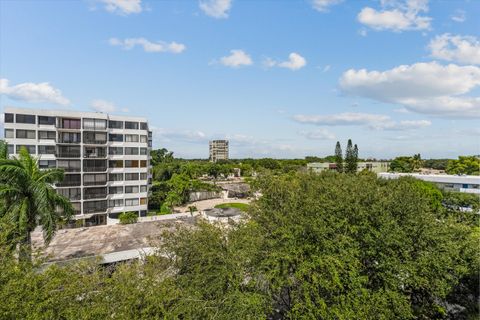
(279, 79)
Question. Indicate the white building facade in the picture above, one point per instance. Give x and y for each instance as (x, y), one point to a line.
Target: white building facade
(218, 150)
(106, 158)
(468, 184)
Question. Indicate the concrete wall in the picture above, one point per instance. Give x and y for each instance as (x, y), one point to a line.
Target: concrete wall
(204, 195)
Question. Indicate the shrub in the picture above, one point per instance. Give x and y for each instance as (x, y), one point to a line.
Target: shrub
(128, 217)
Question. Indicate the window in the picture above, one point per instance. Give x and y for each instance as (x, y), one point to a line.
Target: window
(47, 164)
(25, 134)
(70, 123)
(143, 139)
(46, 149)
(131, 138)
(94, 137)
(131, 151)
(143, 176)
(115, 164)
(131, 176)
(143, 163)
(94, 152)
(95, 206)
(95, 193)
(131, 202)
(71, 193)
(25, 118)
(115, 177)
(70, 180)
(8, 117)
(77, 207)
(115, 150)
(94, 179)
(131, 125)
(112, 124)
(47, 135)
(115, 190)
(115, 137)
(69, 165)
(69, 137)
(9, 133)
(94, 124)
(143, 126)
(143, 188)
(131, 189)
(10, 149)
(31, 149)
(131, 163)
(69, 151)
(143, 151)
(46, 120)
(115, 203)
(143, 201)
(94, 165)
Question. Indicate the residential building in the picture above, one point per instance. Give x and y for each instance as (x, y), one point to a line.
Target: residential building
(458, 183)
(218, 150)
(374, 166)
(106, 158)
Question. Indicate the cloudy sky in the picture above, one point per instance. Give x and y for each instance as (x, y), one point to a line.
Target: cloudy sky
(277, 78)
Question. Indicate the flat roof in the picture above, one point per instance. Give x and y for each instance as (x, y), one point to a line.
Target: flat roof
(111, 242)
(72, 113)
(440, 178)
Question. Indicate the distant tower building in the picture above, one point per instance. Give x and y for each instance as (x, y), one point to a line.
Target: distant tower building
(218, 150)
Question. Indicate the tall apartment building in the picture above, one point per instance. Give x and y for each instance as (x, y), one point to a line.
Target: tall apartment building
(106, 158)
(218, 150)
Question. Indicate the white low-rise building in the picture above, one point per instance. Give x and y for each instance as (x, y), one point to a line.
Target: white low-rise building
(458, 183)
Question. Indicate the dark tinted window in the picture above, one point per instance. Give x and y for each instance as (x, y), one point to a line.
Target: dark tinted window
(8, 117)
(25, 118)
(131, 125)
(115, 124)
(31, 149)
(143, 126)
(115, 137)
(46, 120)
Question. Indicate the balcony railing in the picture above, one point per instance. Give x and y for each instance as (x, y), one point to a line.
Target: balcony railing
(94, 183)
(94, 169)
(92, 141)
(100, 209)
(69, 141)
(71, 183)
(95, 155)
(61, 154)
(98, 195)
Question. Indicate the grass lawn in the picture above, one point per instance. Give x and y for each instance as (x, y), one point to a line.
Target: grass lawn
(240, 206)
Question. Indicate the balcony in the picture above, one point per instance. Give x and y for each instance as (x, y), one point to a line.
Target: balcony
(94, 169)
(61, 154)
(70, 180)
(95, 207)
(94, 193)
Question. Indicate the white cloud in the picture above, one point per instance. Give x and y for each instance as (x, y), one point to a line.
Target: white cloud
(369, 120)
(347, 118)
(397, 16)
(190, 136)
(321, 134)
(462, 49)
(148, 46)
(428, 88)
(294, 62)
(33, 92)
(216, 8)
(124, 7)
(103, 106)
(459, 16)
(324, 5)
(236, 59)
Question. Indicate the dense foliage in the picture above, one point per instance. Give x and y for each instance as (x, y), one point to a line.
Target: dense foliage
(464, 165)
(326, 246)
(128, 217)
(406, 164)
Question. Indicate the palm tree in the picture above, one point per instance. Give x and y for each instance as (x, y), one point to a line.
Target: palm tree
(3, 150)
(30, 199)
